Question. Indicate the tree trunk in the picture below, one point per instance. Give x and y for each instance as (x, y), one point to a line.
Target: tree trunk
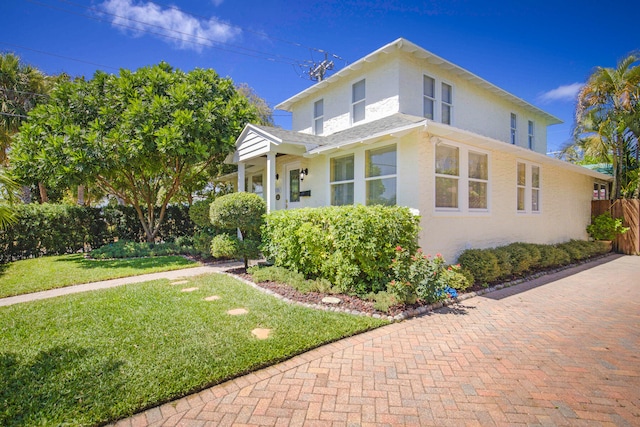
(43, 193)
(81, 195)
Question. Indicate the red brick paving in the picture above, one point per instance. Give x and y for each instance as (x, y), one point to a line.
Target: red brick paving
(556, 351)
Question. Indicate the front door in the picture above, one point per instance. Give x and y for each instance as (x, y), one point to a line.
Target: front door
(292, 195)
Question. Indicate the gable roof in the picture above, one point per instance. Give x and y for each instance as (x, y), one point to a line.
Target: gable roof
(257, 140)
(404, 45)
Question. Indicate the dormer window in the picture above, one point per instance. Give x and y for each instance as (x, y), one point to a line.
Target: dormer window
(357, 101)
(447, 103)
(429, 97)
(318, 117)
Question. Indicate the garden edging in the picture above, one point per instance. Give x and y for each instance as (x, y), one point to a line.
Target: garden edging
(414, 312)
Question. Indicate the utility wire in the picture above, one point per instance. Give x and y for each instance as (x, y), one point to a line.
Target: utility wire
(211, 43)
(59, 56)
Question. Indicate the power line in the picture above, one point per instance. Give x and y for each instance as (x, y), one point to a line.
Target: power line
(168, 29)
(211, 43)
(59, 56)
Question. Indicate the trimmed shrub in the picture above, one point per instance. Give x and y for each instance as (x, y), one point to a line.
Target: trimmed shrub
(350, 246)
(482, 263)
(552, 256)
(241, 211)
(520, 258)
(50, 229)
(224, 246)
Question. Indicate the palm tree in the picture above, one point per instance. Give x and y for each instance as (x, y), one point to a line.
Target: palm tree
(21, 88)
(607, 118)
(8, 190)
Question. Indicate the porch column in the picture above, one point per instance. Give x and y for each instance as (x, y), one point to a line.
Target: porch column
(241, 177)
(271, 181)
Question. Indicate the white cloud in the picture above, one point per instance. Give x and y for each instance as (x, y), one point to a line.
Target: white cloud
(561, 93)
(170, 24)
(217, 2)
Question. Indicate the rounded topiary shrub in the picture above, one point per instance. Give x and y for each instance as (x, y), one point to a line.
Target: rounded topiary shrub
(241, 211)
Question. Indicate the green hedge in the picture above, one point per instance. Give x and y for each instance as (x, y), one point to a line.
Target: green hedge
(350, 246)
(54, 229)
(517, 259)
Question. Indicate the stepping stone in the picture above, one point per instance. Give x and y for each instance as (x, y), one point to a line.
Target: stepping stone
(331, 300)
(261, 334)
(237, 311)
(189, 289)
(212, 298)
(180, 282)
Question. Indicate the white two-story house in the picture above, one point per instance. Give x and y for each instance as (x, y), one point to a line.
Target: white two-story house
(402, 126)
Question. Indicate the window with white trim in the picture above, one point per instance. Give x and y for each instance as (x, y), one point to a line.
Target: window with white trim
(600, 191)
(461, 188)
(357, 101)
(342, 180)
(380, 175)
(528, 187)
(429, 97)
(531, 134)
(318, 117)
(253, 184)
(447, 176)
(447, 103)
(514, 128)
(478, 180)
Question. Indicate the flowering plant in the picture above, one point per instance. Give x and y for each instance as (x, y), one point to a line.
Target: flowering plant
(419, 276)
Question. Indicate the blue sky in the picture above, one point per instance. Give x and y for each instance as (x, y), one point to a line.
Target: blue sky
(541, 51)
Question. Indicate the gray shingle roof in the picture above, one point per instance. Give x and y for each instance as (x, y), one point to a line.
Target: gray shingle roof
(356, 133)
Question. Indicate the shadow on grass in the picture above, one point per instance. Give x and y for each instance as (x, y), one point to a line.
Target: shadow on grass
(137, 263)
(548, 278)
(57, 385)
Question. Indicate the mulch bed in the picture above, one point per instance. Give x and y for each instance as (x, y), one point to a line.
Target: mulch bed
(349, 302)
(357, 305)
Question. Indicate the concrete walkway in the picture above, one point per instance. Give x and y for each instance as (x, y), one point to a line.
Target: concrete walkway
(560, 350)
(171, 275)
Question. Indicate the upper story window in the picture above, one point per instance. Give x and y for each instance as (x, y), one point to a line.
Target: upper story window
(455, 182)
(528, 187)
(357, 101)
(514, 128)
(530, 134)
(380, 175)
(342, 180)
(447, 103)
(318, 117)
(429, 97)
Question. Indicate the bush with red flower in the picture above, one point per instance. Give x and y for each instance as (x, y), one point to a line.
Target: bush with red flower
(421, 277)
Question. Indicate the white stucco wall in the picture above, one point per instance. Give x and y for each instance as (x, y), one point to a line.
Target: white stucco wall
(381, 99)
(474, 109)
(564, 215)
(394, 83)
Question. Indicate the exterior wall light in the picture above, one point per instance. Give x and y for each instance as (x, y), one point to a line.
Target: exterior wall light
(303, 172)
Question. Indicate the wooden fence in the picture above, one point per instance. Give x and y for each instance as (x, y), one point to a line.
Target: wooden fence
(629, 211)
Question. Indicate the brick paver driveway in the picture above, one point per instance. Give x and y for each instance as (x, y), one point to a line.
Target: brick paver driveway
(561, 351)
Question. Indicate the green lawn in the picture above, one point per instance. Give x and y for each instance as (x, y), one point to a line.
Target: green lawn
(90, 358)
(40, 274)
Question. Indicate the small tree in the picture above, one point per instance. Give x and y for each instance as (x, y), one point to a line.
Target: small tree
(243, 211)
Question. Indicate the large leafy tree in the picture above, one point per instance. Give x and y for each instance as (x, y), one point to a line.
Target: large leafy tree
(139, 136)
(608, 121)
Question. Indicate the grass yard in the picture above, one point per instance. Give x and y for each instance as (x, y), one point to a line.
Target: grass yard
(41, 274)
(90, 358)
